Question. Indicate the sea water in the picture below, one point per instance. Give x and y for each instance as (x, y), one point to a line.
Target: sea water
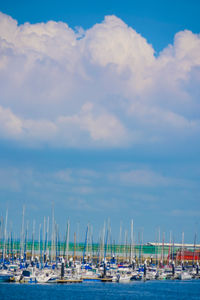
(98, 290)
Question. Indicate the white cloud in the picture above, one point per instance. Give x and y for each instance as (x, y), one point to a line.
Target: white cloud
(10, 125)
(144, 177)
(120, 188)
(113, 42)
(185, 213)
(17, 128)
(141, 177)
(103, 128)
(104, 89)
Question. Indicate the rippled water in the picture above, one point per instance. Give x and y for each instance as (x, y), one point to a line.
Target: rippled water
(98, 290)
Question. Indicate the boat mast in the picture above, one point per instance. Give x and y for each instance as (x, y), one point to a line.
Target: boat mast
(52, 234)
(74, 247)
(88, 234)
(142, 243)
(77, 238)
(1, 236)
(39, 243)
(120, 238)
(103, 241)
(85, 245)
(132, 249)
(5, 236)
(193, 260)
(33, 241)
(26, 240)
(182, 251)
(22, 233)
(47, 240)
(169, 249)
(43, 246)
(163, 242)
(159, 252)
(67, 241)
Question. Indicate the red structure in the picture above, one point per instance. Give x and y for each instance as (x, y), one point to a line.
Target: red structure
(188, 255)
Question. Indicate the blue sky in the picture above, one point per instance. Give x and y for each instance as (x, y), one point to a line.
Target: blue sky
(100, 114)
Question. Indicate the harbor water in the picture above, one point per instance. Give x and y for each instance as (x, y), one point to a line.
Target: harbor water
(97, 290)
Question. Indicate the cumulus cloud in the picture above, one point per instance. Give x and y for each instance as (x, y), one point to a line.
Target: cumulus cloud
(99, 87)
(102, 128)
